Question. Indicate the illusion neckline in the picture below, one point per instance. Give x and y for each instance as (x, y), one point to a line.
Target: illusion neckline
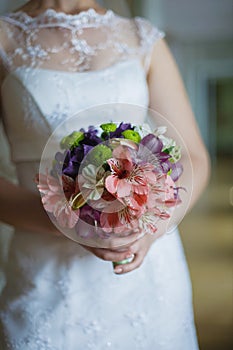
(51, 15)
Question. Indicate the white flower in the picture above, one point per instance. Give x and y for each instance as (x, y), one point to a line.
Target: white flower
(167, 142)
(171, 146)
(93, 182)
(160, 131)
(143, 130)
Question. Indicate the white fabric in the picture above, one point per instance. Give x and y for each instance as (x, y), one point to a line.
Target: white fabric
(59, 296)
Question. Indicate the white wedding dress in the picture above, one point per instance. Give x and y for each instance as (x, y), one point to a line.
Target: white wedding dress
(57, 295)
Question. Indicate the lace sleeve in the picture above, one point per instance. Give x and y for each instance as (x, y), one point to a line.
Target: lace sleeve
(148, 35)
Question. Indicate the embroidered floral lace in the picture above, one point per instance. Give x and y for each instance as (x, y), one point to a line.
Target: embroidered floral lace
(76, 43)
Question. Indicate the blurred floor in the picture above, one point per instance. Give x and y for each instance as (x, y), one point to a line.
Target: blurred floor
(207, 234)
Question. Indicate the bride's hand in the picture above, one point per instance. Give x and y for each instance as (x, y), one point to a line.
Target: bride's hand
(138, 247)
(139, 250)
(141, 247)
(118, 248)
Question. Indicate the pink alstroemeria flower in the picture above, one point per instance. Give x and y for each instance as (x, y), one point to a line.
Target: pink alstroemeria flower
(162, 192)
(57, 200)
(127, 177)
(148, 220)
(121, 216)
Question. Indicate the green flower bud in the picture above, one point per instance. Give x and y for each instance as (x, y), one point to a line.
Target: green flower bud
(72, 140)
(99, 155)
(108, 127)
(132, 135)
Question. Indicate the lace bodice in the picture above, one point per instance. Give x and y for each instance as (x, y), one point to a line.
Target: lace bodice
(57, 64)
(76, 43)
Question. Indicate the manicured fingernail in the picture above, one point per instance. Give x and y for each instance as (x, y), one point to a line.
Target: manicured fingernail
(118, 270)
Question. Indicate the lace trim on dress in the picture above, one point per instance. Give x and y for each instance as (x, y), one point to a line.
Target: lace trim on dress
(85, 41)
(51, 17)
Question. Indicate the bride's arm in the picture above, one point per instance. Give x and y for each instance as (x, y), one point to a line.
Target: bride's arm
(20, 207)
(169, 98)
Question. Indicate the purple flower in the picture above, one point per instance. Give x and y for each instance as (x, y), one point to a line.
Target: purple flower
(75, 156)
(150, 151)
(88, 224)
(155, 145)
(90, 137)
(177, 170)
(89, 215)
(73, 161)
(58, 164)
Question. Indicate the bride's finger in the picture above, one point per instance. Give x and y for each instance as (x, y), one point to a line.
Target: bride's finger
(121, 242)
(136, 263)
(109, 255)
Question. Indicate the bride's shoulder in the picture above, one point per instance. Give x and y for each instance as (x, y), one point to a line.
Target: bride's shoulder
(9, 35)
(142, 25)
(146, 32)
(4, 32)
(8, 26)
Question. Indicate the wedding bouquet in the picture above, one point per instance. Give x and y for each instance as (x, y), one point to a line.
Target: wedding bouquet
(110, 180)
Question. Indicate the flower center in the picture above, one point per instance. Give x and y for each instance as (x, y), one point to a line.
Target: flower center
(123, 174)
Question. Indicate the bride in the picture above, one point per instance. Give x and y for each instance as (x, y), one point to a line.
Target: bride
(58, 57)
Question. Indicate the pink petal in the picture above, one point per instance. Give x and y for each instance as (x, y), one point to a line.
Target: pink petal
(48, 183)
(111, 183)
(54, 184)
(122, 153)
(151, 177)
(108, 221)
(73, 218)
(123, 188)
(141, 199)
(132, 204)
(128, 143)
(114, 165)
(50, 201)
(140, 189)
(173, 202)
(65, 216)
(113, 206)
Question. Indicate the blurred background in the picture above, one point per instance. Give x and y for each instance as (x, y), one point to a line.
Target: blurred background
(200, 34)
